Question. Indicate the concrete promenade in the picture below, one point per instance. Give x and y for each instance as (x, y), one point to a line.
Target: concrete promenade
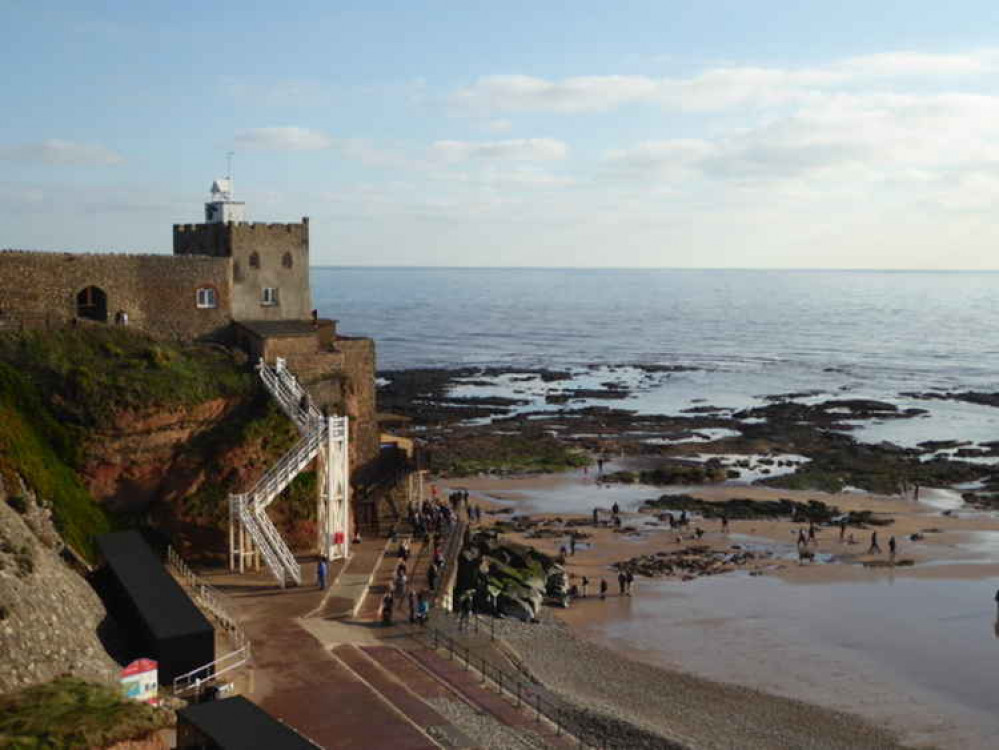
(325, 665)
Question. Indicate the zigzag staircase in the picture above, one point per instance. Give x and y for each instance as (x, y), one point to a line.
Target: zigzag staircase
(248, 510)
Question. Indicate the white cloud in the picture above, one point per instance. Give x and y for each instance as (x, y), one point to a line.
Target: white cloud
(55, 151)
(275, 92)
(904, 138)
(498, 126)
(284, 138)
(521, 149)
(713, 89)
(582, 94)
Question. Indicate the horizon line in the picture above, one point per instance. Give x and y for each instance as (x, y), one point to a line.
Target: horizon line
(328, 266)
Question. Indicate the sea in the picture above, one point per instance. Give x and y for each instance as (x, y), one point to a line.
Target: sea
(917, 654)
(746, 334)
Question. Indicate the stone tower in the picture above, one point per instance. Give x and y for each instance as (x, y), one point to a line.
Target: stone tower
(270, 262)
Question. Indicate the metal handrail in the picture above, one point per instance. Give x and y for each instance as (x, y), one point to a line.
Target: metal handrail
(251, 522)
(284, 386)
(525, 692)
(281, 474)
(291, 566)
(210, 598)
(196, 678)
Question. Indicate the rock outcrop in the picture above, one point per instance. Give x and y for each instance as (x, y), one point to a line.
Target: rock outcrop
(507, 579)
(49, 615)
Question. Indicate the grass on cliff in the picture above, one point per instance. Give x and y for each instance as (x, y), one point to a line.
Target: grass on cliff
(41, 449)
(71, 714)
(89, 374)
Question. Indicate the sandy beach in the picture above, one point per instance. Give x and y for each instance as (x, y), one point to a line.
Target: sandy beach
(901, 647)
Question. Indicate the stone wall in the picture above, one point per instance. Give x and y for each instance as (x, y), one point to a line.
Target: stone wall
(263, 255)
(49, 615)
(157, 292)
(359, 369)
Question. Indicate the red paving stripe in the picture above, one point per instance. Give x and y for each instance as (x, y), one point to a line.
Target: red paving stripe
(395, 691)
(466, 683)
(415, 677)
(323, 700)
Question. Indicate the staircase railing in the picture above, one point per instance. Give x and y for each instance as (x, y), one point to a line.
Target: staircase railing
(288, 561)
(281, 474)
(256, 528)
(289, 393)
(250, 507)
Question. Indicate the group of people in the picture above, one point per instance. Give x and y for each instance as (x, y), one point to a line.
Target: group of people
(431, 517)
(403, 590)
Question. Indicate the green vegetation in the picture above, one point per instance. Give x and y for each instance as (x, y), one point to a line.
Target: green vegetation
(36, 446)
(505, 454)
(71, 714)
(90, 374)
(57, 386)
(257, 425)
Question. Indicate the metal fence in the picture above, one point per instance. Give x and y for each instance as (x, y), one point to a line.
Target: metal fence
(525, 693)
(209, 598)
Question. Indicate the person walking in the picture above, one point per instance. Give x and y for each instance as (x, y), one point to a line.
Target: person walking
(432, 577)
(802, 541)
(603, 590)
(874, 548)
(629, 579)
(321, 572)
(586, 583)
(811, 531)
(892, 548)
(622, 580)
(572, 544)
(842, 529)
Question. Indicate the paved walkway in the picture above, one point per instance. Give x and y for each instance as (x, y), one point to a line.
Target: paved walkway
(350, 587)
(324, 664)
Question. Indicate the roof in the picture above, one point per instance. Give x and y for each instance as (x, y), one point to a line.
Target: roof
(237, 724)
(277, 328)
(162, 604)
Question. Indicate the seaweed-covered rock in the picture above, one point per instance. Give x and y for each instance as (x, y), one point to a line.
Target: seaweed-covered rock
(507, 579)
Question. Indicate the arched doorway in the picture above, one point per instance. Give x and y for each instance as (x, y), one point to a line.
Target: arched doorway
(92, 304)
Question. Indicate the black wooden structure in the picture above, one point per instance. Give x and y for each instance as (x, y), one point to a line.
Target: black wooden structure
(235, 724)
(157, 616)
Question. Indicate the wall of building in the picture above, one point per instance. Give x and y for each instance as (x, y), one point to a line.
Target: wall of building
(158, 292)
(272, 244)
(359, 369)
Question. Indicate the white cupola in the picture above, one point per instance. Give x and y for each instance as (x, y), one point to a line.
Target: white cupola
(221, 208)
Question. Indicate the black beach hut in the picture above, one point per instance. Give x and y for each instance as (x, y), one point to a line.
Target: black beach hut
(160, 620)
(235, 724)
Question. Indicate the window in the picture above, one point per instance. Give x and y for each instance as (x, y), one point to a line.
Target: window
(270, 296)
(207, 297)
(254, 260)
(286, 261)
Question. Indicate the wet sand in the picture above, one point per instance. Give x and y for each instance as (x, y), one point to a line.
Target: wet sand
(909, 648)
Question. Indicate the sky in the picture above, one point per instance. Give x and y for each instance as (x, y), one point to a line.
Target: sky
(700, 134)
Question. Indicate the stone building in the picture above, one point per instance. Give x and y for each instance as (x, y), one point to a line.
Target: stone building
(228, 280)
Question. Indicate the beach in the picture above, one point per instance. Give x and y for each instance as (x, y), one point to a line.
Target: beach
(901, 647)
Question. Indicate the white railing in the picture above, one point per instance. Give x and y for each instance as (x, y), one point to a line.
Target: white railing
(279, 548)
(281, 474)
(250, 522)
(284, 386)
(198, 678)
(211, 600)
